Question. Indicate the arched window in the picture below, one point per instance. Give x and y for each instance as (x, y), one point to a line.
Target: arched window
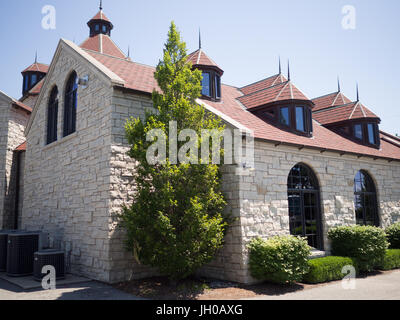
(304, 207)
(52, 115)
(365, 200)
(70, 105)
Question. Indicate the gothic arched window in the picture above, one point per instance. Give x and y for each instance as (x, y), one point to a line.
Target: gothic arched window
(304, 207)
(52, 115)
(70, 105)
(365, 200)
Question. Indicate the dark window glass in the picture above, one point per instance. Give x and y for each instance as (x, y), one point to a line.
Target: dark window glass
(300, 119)
(304, 212)
(284, 117)
(205, 83)
(270, 113)
(365, 200)
(97, 27)
(371, 133)
(70, 105)
(52, 116)
(217, 86)
(33, 80)
(26, 80)
(104, 29)
(358, 131)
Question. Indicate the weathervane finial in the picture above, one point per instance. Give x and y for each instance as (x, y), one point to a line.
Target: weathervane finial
(358, 94)
(338, 84)
(101, 5)
(36, 57)
(288, 70)
(280, 66)
(199, 38)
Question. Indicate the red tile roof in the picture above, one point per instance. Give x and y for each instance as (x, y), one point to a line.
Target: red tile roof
(22, 106)
(350, 111)
(279, 92)
(21, 147)
(263, 84)
(37, 67)
(102, 43)
(323, 138)
(330, 100)
(37, 87)
(100, 16)
(136, 76)
(199, 58)
(141, 77)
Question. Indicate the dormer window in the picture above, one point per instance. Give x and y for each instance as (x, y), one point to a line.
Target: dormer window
(290, 117)
(300, 124)
(358, 132)
(211, 85)
(205, 84)
(284, 117)
(371, 133)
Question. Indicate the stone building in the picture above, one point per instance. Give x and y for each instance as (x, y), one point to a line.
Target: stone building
(318, 163)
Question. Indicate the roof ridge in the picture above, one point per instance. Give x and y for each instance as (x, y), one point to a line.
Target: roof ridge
(251, 84)
(354, 109)
(276, 98)
(337, 95)
(323, 96)
(333, 107)
(118, 58)
(279, 84)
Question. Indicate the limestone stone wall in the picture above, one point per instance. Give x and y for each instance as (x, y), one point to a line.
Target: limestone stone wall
(67, 183)
(264, 204)
(4, 111)
(17, 122)
(124, 106)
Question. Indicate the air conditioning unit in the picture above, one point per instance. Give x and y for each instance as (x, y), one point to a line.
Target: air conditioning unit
(21, 247)
(49, 257)
(3, 248)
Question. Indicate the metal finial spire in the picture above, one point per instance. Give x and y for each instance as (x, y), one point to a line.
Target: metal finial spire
(338, 84)
(199, 38)
(288, 70)
(101, 5)
(280, 65)
(36, 57)
(358, 94)
(129, 51)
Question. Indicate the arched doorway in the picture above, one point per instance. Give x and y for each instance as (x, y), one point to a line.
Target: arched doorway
(304, 205)
(365, 200)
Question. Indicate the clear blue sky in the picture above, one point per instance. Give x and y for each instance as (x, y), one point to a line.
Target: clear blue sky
(244, 37)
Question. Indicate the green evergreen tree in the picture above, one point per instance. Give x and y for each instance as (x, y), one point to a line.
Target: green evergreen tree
(176, 221)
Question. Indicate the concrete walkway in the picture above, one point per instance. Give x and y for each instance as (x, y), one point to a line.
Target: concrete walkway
(376, 287)
(91, 290)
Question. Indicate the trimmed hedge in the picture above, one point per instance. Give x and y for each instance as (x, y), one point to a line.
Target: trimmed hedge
(391, 260)
(393, 235)
(327, 269)
(282, 259)
(366, 244)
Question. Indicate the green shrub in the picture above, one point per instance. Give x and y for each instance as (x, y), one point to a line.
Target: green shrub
(391, 260)
(393, 235)
(327, 269)
(364, 243)
(282, 259)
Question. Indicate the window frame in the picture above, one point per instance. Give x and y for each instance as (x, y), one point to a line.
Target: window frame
(370, 191)
(52, 116)
(70, 105)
